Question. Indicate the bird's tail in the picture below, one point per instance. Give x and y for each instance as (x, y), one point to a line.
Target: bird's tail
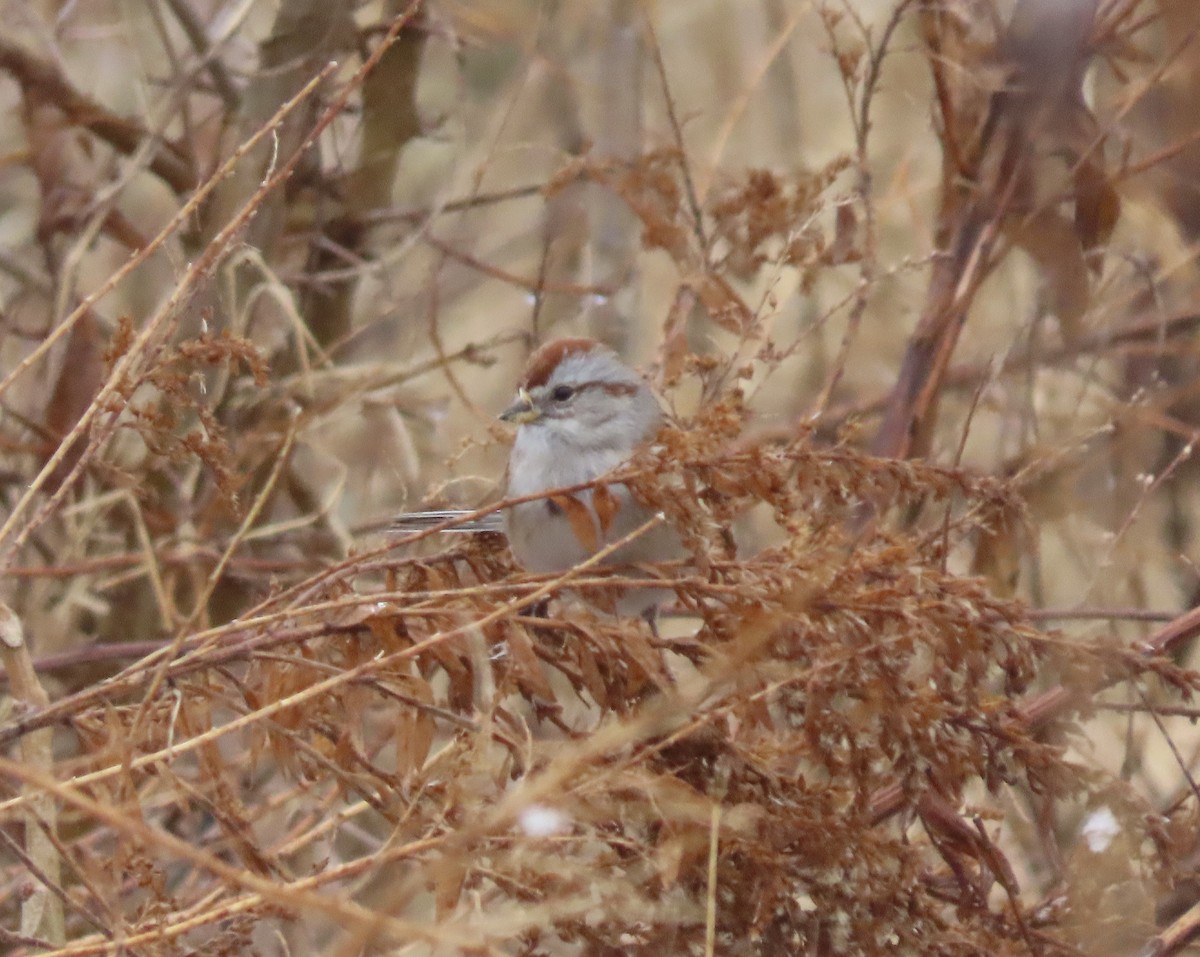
(455, 520)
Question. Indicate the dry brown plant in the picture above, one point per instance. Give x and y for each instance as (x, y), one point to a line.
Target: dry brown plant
(915, 281)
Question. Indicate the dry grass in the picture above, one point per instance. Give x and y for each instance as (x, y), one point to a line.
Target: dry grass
(914, 278)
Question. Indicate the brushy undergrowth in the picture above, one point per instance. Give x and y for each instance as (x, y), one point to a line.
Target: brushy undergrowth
(924, 686)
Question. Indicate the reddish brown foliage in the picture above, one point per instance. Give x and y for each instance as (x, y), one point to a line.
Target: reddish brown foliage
(238, 721)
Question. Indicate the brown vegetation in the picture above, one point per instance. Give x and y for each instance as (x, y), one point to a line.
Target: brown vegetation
(914, 279)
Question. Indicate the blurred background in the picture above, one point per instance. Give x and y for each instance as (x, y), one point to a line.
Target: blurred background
(956, 231)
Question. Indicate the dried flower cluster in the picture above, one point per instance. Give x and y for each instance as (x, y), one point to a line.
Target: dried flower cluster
(925, 683)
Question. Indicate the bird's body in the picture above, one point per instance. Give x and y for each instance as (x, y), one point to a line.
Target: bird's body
(541, 533)
(580, 413)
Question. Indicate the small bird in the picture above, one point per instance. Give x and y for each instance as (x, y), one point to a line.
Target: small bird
(580, 412)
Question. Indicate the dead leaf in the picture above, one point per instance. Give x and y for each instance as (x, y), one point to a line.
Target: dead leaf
(674, 349)
(636, 648)
(1052, 242)
(723, 305)
(998, 555)
(527, 669)
(447, 873)
(842, 249)
(414, 726)
(1097, 207)
(606, 506)
(79, 380)
(580, 520)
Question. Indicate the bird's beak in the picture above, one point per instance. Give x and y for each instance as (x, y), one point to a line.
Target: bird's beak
(523, 411)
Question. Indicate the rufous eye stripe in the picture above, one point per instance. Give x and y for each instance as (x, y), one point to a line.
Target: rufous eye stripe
(612, 388)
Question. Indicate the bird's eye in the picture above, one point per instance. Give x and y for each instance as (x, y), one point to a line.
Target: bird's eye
(562, 393)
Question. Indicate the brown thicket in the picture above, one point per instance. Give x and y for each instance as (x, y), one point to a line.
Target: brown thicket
(914, 279)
